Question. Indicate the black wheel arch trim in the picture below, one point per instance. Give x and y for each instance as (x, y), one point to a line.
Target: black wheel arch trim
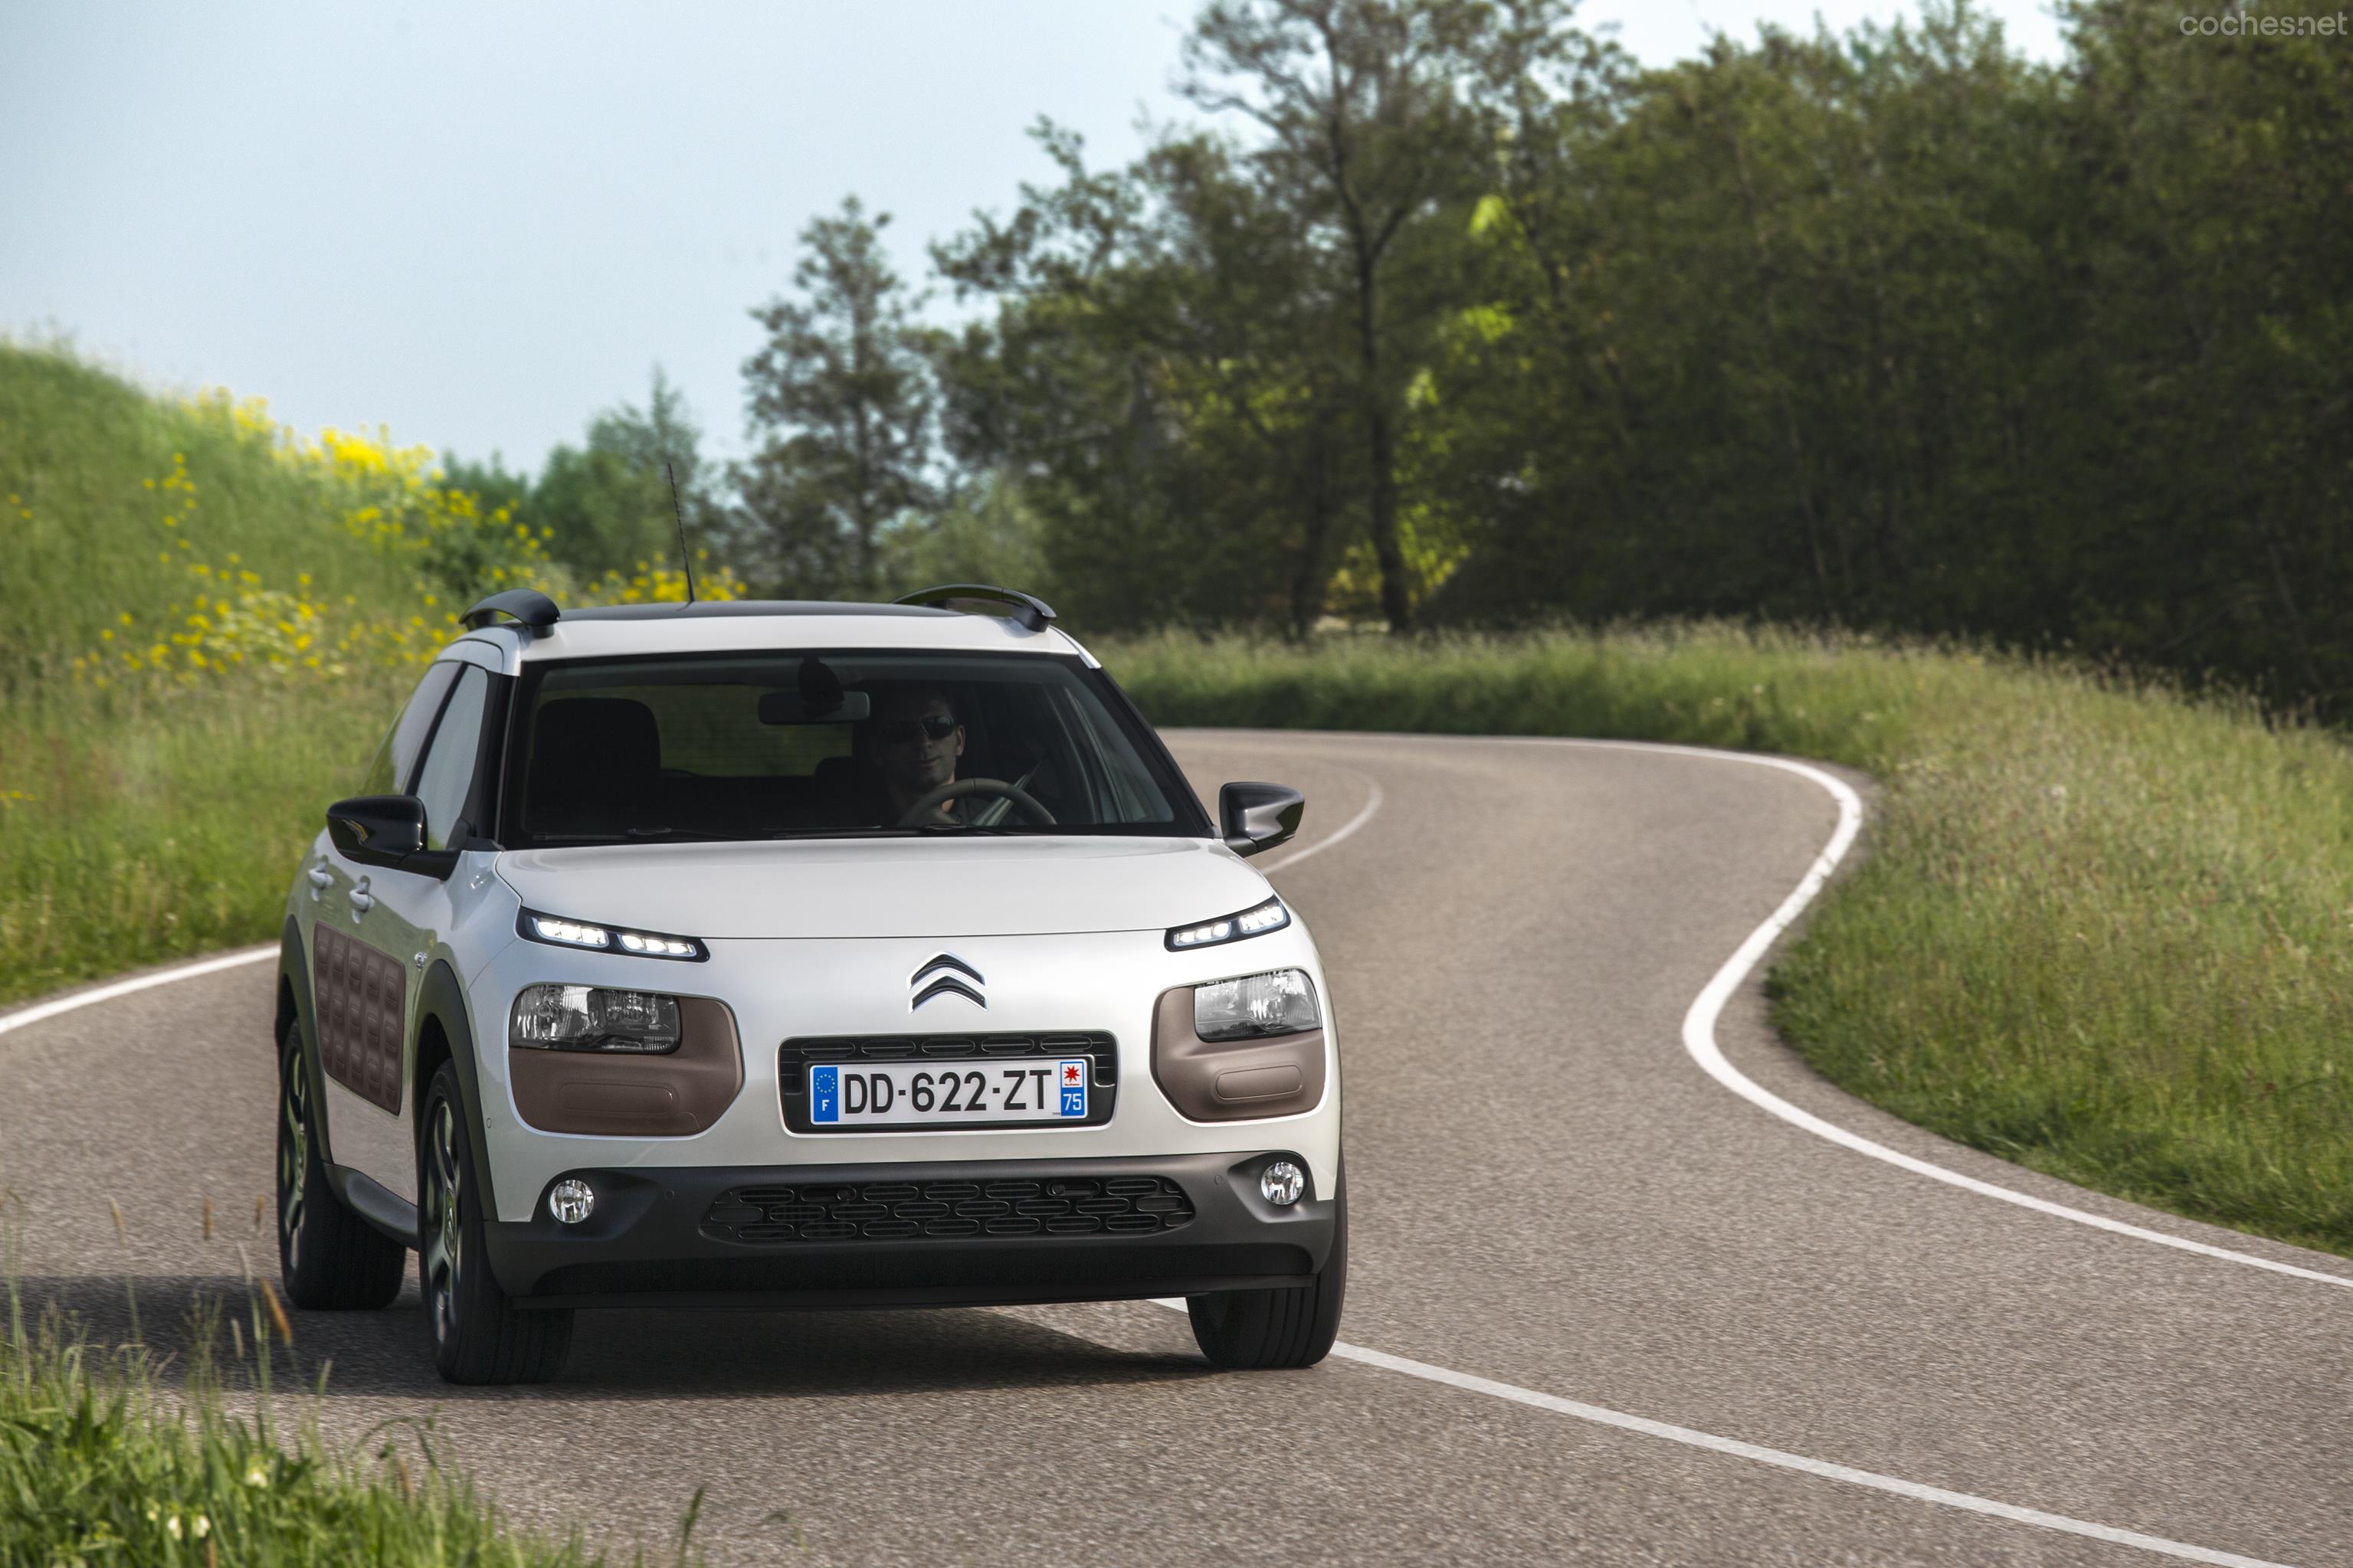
(443, 1000)
(294, 973)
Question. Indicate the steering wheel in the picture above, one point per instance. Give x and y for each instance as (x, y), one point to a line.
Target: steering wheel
(957, 789)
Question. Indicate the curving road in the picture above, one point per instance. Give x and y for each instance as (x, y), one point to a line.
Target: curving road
(1602, 1307)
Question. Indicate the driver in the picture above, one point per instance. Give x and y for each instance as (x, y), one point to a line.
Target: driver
(914, 740)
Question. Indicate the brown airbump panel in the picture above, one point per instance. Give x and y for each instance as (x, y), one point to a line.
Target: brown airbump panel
(616, 1095)
(1231, 1081)
(362, 996)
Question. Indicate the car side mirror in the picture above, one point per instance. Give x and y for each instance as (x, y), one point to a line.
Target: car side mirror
(1255, 817)
(377, 829)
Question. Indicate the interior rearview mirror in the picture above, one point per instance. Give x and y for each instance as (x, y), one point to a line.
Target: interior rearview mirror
(793, 708)
(1255, 817)
(377, 829)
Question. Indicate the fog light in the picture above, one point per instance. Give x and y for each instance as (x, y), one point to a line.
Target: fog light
(1280, 1185)
(572, 1201)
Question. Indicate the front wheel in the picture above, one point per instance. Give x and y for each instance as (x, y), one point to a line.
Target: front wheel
(1278, 1327)
(330, 1258)
(478, 1333)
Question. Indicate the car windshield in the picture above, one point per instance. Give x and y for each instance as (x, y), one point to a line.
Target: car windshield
(797, 745)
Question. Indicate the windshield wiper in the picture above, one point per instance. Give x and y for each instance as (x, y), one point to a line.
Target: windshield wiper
(846, 833)
(633, 836)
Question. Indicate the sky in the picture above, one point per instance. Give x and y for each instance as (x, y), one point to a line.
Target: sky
(477, 224)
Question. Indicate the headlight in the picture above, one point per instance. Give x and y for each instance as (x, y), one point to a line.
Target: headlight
(1256, 920)
(585, 1018)
(557, 932)
(1281, 1003)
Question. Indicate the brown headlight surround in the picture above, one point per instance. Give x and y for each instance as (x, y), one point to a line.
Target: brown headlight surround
(621, 1094)
(1232, 1080)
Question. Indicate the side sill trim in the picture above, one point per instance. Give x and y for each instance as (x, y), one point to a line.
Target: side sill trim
(376, 1203)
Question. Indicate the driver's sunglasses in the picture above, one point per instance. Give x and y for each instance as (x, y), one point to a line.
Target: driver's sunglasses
(907, 732)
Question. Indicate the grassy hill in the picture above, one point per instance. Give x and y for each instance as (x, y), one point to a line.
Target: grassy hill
(204, 624)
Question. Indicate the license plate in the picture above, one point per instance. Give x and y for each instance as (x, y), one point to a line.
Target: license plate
(948, 1094)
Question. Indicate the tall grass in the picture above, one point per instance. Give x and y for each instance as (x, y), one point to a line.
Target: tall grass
(116, 1455)
(2103, 931)
(139, 827)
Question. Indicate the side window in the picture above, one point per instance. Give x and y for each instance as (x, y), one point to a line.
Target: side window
(448, 776)
(394, 759)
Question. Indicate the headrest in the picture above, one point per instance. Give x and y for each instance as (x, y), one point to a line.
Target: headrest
(595, 755)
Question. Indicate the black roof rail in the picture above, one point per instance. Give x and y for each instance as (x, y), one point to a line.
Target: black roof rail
(984, 599)
(530, 608)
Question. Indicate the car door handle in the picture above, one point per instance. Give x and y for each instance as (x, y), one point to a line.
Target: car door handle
(362, 899)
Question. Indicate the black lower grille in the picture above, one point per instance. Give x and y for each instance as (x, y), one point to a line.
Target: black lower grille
(898, 1211)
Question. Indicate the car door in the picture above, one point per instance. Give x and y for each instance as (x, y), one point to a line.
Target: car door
(360, 982)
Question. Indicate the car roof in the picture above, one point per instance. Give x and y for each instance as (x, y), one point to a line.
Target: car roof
(740, 626)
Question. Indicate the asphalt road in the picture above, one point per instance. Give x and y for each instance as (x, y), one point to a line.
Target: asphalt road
(1547, 1195)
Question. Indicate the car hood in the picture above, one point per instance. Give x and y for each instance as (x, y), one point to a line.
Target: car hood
(888, 886)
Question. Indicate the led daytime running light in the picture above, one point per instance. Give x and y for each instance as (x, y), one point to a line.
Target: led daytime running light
(571, 933)
(557, 932)
(1256, 920)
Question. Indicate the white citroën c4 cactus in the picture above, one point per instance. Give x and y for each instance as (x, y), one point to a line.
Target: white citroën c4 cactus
(799, 954)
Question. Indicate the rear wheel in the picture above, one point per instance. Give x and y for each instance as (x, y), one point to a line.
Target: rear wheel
(478, 1333)
(330, 1258)
(1278, 1328)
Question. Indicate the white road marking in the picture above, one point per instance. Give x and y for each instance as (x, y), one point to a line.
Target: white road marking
(1372, 805)
(1699, 1024)
(40, 1010)
(1775, 1456)
(1699, 1039)
(1893, 1485)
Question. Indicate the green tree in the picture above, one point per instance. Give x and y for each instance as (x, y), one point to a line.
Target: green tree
(1164, 380)
(842, 409)
(984, 532)
(608, 501)
(1365, 138)
(1898, 329)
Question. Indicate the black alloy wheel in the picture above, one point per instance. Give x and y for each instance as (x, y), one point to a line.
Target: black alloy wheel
(330, 1258)
(441, 1220)
(478, 1333)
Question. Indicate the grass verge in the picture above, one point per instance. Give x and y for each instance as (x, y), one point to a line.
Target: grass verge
(104, 1461)
(134, 829)
(2103, 931)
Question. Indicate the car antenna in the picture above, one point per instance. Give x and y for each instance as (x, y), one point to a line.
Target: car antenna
(685, 556)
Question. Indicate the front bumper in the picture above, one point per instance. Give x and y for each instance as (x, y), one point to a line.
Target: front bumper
(653, 1240)
(1096, 983)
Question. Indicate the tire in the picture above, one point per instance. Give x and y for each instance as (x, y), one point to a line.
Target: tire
(331, 1258)
(477, 1332)
(1278, 1327)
